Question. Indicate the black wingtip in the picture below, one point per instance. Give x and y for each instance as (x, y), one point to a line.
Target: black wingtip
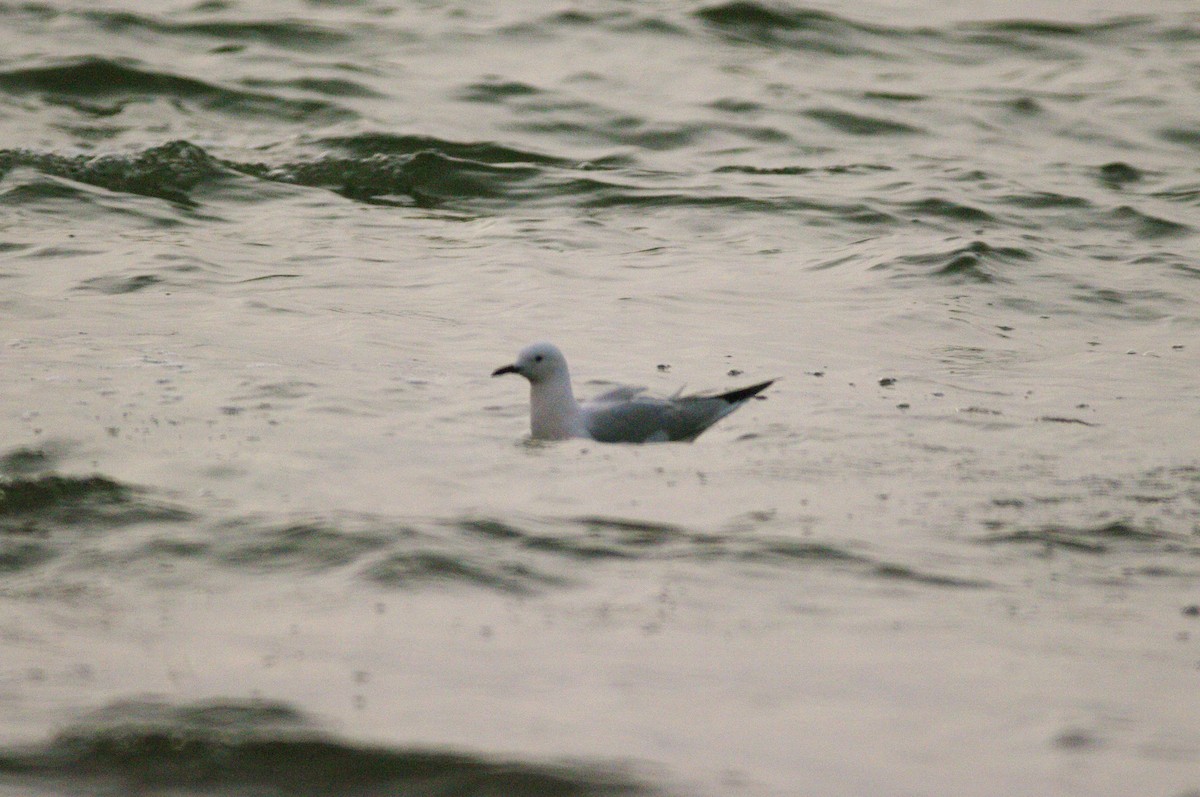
(741, 394)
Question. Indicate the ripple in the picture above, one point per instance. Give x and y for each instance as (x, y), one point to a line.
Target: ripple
(30, 461)
(976, 262)
(1098, 539)
(371, 144)
(1118, 174)
(893, 572)
(802, 29)
(859, 124)
(115, 285)
(42, 517)
(332, 87)
(427, 179)
(410, 569)
(1187, 136)
(1146, 226)
(947, 209)
(230, 746)
(121, 82)
(289, 33)
(169, 171)
(497, 91)
(52, 499)
(303, 546)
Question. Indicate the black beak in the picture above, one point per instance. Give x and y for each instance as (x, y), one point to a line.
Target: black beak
(507, 369)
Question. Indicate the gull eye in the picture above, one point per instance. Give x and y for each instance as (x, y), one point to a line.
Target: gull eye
(537, 359)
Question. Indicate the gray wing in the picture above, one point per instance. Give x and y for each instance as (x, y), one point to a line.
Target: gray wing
(619, 393)
(649, 420)
(624, 416)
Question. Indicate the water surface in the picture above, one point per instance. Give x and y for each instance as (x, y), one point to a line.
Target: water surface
(267, 525)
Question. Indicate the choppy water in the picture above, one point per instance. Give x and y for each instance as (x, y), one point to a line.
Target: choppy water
(267, 526)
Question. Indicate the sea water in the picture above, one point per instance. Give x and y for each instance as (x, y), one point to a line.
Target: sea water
(267, 526)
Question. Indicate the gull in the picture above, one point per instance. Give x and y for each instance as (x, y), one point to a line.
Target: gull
(621, 415)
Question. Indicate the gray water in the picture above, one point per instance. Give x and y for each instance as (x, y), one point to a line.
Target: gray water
(267, 526)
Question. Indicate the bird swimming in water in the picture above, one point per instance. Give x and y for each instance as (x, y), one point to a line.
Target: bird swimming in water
(621, 415)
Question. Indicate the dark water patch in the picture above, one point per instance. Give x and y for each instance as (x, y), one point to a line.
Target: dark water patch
(1187, 194)
(1056, 29)
(894, 96)
(487, 152)
(58, 252)
(277, 391)
(1186, 136)
(597, 539)
(99, 77)
(256, 747)
(169, 171)
(649, 24)
(17, 191)
(114, 285)
(573, 17)
(599, 126)
(17, 554)
(799, 28)
(790, 553)
(934, 207)
(116, 83)
(1043, 200)
(608, 194)
(859, 124)
(55, 500)
(579, 547)
(494, 529)
(416, 569)
(424, 179)
(1146, 226)
(802, 550)
(1046, 538)
(1025, 106)
(30, 461)
(636, 533)
(779, 25)
(497, 91)
(1048, 39)
(1077, 739)
(384, 553)
(331, 87)
(287, 33)
(1118, 174)
(894, 572)
(309, 546)
(736, 105)
(617, 19)
(783, 171)
(42, 516)
(1127, 304)
(1064, 420)
(424, 172)
(432, 175)
(50, 195)
(977, 262)
(591, 538)
(787, 171)
(1098, 539)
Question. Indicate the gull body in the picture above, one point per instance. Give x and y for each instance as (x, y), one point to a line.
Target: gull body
(621, 415)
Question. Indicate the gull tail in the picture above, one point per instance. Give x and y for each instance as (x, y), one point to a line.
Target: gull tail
(741, 394)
